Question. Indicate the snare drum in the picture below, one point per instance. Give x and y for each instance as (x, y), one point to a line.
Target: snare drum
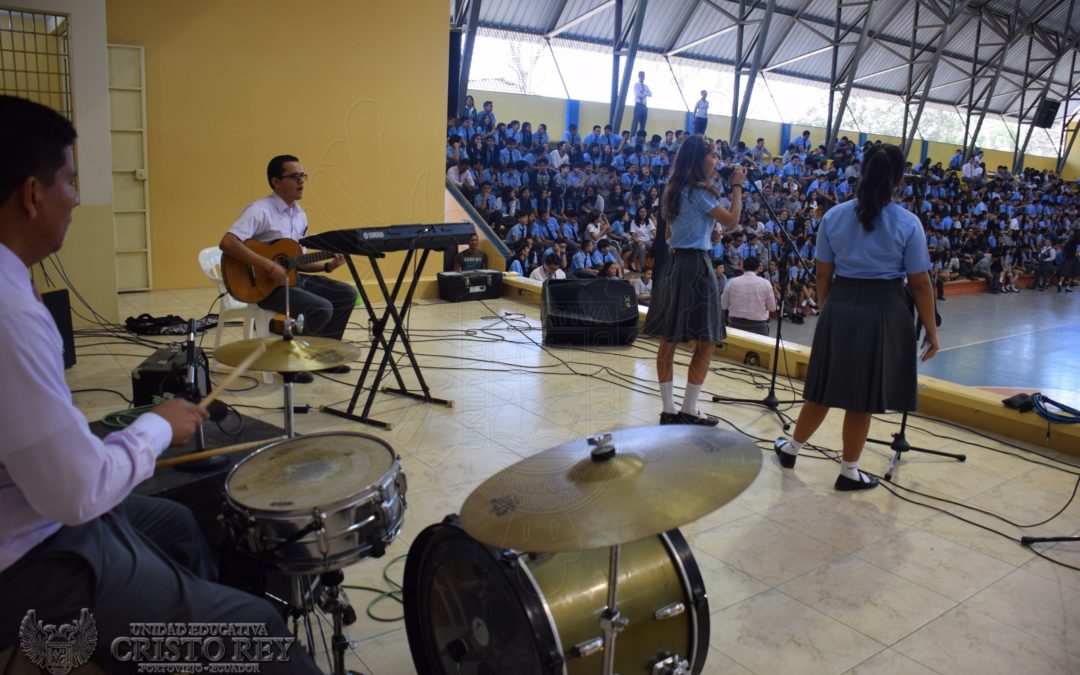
(316, 503)
(470, 608)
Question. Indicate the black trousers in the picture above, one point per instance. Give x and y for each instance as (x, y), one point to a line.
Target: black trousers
(759, 327)
(325, 303)
(143, 562)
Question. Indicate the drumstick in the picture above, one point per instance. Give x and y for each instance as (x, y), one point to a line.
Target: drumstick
(237, 372)
(205, 454)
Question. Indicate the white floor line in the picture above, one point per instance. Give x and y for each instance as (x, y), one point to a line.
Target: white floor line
(1006, 337)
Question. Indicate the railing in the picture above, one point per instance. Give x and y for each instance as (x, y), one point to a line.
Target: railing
(478, 220)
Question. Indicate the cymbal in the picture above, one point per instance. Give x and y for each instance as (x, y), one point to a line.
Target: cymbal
(297, 354)
(565, 499)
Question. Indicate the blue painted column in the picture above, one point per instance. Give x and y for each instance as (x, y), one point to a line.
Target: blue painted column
(863, 138)
(785, 137)
(573, 111)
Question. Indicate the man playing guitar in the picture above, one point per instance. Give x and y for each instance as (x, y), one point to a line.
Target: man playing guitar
(325, 303)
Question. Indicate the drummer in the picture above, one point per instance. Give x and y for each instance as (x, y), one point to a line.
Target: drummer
(71, 537)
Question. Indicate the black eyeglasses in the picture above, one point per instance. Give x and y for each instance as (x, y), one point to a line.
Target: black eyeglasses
(295, 176)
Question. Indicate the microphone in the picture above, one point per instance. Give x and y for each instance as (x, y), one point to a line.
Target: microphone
(217, 410)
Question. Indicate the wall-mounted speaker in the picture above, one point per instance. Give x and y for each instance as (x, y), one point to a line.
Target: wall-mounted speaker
(1046, 112)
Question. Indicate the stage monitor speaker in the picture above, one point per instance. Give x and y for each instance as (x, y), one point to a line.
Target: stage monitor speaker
(1047, 111)
(58, 302)
(588, 312)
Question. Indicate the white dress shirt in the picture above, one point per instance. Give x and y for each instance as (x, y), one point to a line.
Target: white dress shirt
(270, 218)
(53, 471)
(641, 91)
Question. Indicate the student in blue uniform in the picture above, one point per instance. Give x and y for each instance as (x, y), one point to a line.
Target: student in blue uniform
(863, 358)
(686, 301)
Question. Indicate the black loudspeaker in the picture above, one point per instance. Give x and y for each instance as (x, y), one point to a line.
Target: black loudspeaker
(1047, 111)
(588, 312)
(58, 303)
(472, 285)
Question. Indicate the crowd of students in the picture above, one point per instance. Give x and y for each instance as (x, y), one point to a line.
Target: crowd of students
(588, 205)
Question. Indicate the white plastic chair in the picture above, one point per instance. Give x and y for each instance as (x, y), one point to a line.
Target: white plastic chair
(256, 320)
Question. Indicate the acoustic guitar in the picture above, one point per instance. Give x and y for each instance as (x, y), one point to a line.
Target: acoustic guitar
(249, 284)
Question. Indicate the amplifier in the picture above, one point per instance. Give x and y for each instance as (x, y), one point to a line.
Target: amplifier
(59, 305)
(600, 312)
(166, 372)
(474, 285)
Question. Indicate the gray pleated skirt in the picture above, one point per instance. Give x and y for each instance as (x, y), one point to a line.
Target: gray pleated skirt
(685, 303)
(1069, 268)
(864, 355)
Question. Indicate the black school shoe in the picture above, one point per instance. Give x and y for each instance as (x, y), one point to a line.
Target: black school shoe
(669, 418)
(845, 484)
(787, 460)
(700, 420)
(337, 370)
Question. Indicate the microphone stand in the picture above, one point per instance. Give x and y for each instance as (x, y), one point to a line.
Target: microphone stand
(899, 443)
(194, 395)
(771, 401)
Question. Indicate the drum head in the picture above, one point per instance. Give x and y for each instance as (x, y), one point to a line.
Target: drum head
(465, 611)
(309, 472)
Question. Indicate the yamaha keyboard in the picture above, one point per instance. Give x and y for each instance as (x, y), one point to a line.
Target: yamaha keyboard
(378, 240)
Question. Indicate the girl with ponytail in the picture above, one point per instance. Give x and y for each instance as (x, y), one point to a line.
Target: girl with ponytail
(864, 358)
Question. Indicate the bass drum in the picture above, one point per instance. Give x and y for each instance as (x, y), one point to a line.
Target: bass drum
(474, 609)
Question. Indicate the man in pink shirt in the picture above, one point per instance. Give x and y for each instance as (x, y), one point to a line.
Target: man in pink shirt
(70, 535)
(749, 299)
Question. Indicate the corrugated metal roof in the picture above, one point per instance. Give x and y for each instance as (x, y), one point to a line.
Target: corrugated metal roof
(677, 23)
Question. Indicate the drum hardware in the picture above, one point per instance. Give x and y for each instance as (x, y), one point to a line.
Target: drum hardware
(294, 507)
(611, 621)
(588, 647)
(288, 355)
(584, 495)
(473, 609)
(669, 611)
(672, 665)
(525, 559)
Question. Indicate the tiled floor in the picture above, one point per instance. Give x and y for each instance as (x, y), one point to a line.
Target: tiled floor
(801, 579)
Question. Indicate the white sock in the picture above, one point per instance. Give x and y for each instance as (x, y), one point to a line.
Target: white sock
(791, 446)
(667, 394)
(851, 470)
(690, 398)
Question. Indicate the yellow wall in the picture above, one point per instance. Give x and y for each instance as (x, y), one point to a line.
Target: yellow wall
(357, 92)
(524, 108)
(1072, 162)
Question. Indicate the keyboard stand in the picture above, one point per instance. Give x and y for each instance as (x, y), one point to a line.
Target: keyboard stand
(396, 316)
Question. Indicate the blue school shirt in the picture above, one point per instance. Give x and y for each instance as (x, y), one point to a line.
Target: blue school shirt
(896, 247)
(694, 225)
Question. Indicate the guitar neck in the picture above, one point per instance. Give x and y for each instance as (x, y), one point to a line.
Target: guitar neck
(301, 260)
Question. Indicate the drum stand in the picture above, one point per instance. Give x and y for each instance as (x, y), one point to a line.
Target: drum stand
(324, 594)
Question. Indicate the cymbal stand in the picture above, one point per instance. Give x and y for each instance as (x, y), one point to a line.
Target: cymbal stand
(611, 621)
(289, 378)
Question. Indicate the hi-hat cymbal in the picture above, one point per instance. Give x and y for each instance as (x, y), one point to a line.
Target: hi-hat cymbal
(297, 354)
(564, 499)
